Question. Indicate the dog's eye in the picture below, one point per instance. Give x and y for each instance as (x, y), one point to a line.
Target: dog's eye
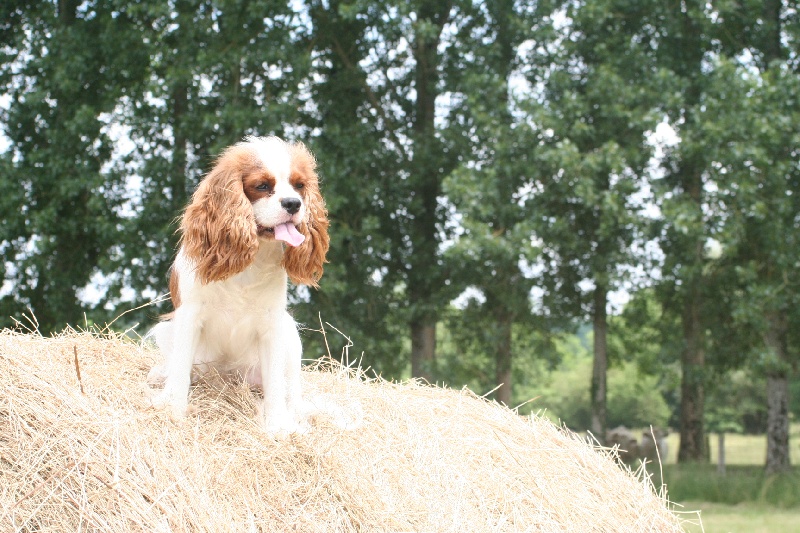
(263, 187)
(299, 186)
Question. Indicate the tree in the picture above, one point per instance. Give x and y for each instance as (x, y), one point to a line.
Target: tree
(756, 170)
(390, 56)
(359, 293)
(488, 191)
(596, 106)
(429, 162)
(769, 241)
(66, 65)
(685, 41)
(716, 178)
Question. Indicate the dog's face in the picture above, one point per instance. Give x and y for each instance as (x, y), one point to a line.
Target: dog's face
(262, 189)
(276, 185)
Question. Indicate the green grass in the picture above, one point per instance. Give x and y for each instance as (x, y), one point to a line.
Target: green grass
(741, 484)
(745, 518)
(743, 500)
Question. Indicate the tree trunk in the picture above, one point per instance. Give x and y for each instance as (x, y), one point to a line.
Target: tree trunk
(504, 310)
(503, 360)
(600, 366)
(777, 396)
(179, 95)
(423, 349)
(692, 444)
(772, 47)
(775, 339)
(177, 179)
(693, 448)
(66, 11)
(777, 424)
(721, 453)
(426, 180)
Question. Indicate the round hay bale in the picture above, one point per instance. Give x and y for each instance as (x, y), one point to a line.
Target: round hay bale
(80, 450)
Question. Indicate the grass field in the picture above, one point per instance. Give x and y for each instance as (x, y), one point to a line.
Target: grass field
(743, 484)
(743, 500)
(744, 518)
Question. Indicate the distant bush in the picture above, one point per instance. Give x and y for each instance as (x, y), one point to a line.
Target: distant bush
(634, 399)
(740, 399)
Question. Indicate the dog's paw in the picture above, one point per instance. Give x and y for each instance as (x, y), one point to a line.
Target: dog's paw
(348, 416)
(282, 430)
(177, 407)
(281, 424)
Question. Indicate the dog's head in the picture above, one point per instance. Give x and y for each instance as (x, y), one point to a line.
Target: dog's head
(262, 189)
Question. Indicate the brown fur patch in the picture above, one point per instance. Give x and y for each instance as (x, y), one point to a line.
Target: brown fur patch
(174, 293)
(253, 179)
(219, 230)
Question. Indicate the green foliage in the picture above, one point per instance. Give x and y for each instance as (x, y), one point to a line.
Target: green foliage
(598, 100)
(466, 355)
(60, 218)
(592, 156)
(635, 399)
(737, 403)
(564, 397)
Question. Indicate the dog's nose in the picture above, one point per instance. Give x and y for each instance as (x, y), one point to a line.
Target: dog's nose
(292, 205)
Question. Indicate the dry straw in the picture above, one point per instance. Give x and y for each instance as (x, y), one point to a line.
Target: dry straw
(80, 450)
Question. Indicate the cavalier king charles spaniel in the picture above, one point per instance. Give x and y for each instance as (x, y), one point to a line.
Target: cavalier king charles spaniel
(256, 220)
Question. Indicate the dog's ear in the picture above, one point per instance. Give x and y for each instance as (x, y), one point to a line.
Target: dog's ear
(304, 263)
(218, 227)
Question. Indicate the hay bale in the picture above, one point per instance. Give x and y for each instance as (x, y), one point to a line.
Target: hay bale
(89, 455)
(623, 441)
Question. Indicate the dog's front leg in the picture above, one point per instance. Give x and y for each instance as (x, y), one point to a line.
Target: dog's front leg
(293, 348)
(277, 412)
(177, 369)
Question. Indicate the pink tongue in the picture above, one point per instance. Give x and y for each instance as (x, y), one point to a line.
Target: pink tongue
(289, 234)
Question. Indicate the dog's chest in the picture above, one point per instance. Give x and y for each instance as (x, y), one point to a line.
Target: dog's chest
(239, 312)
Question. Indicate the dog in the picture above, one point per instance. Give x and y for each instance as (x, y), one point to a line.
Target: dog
(256, 220)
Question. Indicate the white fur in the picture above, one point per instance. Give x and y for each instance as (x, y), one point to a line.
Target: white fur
(273, 154)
